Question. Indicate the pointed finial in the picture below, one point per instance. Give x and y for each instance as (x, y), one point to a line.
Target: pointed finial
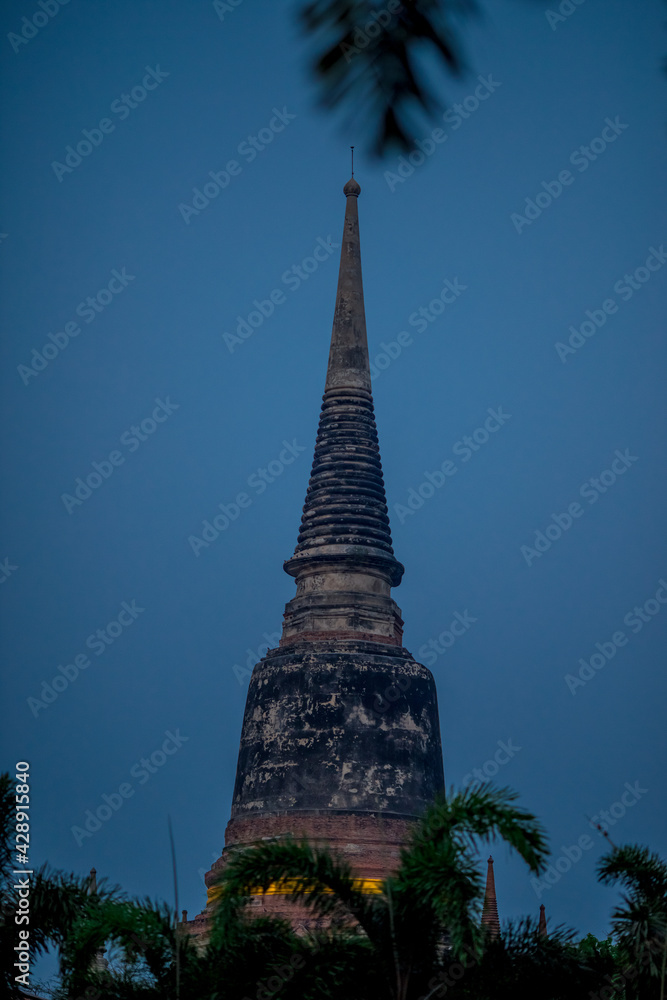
(352, 188)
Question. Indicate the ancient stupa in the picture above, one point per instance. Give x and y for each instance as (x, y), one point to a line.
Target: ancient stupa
(341, 738)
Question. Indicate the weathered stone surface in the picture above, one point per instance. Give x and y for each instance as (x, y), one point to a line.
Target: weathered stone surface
(320, 733)
(318, 614)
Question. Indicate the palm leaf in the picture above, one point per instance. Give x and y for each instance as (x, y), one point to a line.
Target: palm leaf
(380, 75)
(307, 874)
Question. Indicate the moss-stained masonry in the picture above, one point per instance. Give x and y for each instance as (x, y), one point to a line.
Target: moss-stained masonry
(314, 736)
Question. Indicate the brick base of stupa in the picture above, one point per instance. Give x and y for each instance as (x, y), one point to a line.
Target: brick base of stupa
(370, 844)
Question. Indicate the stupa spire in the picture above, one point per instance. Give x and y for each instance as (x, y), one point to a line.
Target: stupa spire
(490, 917)
(344, 544)
(348, 355)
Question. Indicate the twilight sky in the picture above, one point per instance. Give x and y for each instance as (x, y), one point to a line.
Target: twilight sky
(171, 344)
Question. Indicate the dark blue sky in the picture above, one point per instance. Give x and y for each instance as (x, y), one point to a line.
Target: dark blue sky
(181, 418)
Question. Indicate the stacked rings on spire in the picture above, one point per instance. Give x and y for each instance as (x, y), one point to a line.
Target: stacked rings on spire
(345, 500)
